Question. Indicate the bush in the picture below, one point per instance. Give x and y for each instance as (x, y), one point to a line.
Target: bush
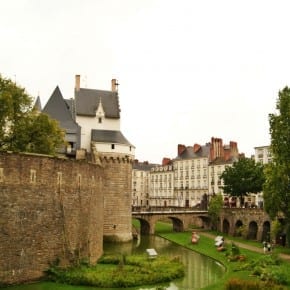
(239, 284)
(118, 271)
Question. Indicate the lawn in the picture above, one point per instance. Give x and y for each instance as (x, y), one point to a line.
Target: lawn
(206, 246)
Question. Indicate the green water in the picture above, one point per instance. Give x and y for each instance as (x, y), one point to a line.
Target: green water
(200, 271)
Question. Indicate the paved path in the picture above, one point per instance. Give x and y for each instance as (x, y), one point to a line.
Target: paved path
(246, 246)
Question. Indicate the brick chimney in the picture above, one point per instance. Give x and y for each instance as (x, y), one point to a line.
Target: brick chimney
(216, 149)
(165, 161)
(77, 82)
(180, 149)
(234, 149)
(114, 85)
(196, 147)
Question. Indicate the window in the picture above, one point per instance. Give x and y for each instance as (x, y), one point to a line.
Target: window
(1, 175)
(59, 178)
(79, 180)
(112, 146)
(32, 176)
(100, 120)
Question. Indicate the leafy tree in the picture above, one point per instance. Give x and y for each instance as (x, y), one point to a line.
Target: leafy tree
(214, 209)
(244, 177)
(276, 190)
(21, 127)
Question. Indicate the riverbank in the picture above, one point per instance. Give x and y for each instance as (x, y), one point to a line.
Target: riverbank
(206, 247)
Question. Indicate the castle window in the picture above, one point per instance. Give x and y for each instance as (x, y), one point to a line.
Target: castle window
(79, 179)
(112, 146)
(32, 176)
(59, 178)
(100, 120)
(1, 174)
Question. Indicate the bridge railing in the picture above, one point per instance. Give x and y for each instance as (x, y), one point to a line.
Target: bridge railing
(162, 208)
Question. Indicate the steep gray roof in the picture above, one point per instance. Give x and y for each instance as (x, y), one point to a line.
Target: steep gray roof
(189, 153)
(57, 108)
(108, 136)
(37, 104)
(87, 102)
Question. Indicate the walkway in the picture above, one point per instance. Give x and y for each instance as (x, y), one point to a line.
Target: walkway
(248, 247)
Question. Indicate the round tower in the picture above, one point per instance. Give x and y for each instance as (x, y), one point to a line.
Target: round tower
(117, 196)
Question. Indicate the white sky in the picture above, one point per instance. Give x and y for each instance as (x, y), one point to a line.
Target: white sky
(188, 70)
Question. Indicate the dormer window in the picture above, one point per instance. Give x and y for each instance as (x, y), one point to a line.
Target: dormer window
(112, 146)
(100, 120)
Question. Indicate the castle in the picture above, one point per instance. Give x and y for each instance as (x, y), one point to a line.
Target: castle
(63, 208)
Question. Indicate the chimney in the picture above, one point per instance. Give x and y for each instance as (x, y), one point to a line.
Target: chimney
(180, 149)
(77, 82)
(234, 148)
(196, 148)
(166, 161)
(114, 85)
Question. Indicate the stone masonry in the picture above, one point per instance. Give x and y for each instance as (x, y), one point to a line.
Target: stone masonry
(117, 197)
(50, 209)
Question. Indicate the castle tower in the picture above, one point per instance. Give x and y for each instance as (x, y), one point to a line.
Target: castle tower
(98, 114)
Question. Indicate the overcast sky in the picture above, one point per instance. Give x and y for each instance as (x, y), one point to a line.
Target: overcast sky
(188, 70)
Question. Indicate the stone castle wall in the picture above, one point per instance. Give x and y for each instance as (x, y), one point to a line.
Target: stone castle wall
(117, 197)
(50, 209)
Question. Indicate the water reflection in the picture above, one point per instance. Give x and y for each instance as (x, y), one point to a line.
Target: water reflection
(200, 270)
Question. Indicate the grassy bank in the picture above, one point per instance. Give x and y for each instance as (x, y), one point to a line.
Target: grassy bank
(251, 269)
(120, 271)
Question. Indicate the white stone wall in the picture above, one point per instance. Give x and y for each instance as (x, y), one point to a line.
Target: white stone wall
(89, 123)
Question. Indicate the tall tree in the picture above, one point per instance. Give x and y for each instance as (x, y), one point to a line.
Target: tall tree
(214, 209)
(244, 177)
(21, 127)
(276, 189)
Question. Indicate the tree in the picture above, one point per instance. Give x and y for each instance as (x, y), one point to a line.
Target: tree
(214, 209)
(244, 177)
(276, 189)
(21, 127)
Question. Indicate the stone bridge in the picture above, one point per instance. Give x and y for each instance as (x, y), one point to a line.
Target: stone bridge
(181, 219)
(250, 223)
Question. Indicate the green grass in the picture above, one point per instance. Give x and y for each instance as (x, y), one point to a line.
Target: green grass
(278, 249)
(120, 271)
(206, 247)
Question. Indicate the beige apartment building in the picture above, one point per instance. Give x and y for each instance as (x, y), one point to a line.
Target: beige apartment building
(140, 183)
(263, 154)
(161, 185)
(188, 180)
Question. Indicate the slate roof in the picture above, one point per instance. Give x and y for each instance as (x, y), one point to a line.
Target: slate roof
(87, 102)
(188, 153)
(57, 108)
(109, 136)
(222, 161)
(37, 104)
(144, 166)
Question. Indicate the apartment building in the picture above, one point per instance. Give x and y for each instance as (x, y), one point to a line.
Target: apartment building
(193, 176)
(140, 183)
(161, 186)
(263, 154)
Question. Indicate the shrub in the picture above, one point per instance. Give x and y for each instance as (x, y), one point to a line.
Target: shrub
(239, 284)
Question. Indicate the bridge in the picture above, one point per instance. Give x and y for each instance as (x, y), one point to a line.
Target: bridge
(249, 223)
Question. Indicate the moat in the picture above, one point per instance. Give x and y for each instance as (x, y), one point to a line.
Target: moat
(200, 270)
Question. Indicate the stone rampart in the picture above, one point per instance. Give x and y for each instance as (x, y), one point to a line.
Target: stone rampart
(117, 197)
(50, 209)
